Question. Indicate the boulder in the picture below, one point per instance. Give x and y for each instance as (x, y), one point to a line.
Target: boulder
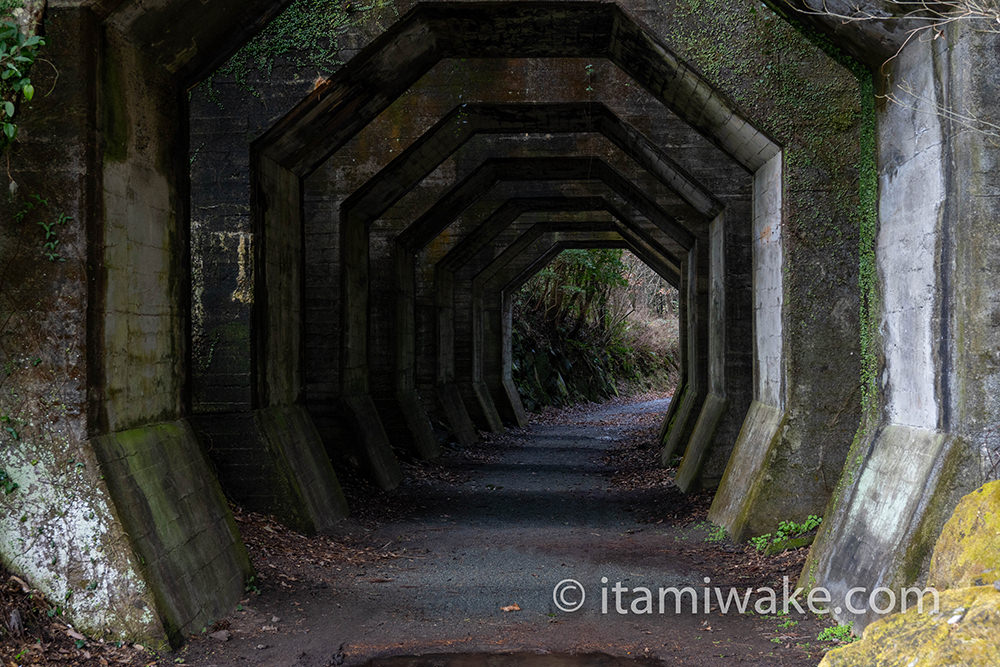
(964, 631)
(968, 551)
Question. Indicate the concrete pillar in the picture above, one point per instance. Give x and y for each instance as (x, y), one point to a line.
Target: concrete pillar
(440, 216)
(133, 482)
(729, 350)
(932, 373)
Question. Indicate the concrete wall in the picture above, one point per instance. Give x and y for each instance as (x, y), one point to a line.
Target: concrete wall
(60, 528)
(115, 513)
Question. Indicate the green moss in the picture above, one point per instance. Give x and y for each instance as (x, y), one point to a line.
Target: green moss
(968, 551)
(177, 521)
(868, 271)
(962, 631)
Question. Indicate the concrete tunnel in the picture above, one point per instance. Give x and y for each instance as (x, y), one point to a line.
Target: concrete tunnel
(345, 292)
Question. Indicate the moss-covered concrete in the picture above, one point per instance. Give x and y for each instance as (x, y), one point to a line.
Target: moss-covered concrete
(373, 445)
(689, 473)
(273, 461)
(178, 523)
(740, 508)
(925, 367)
(59, 527)
(897, 523)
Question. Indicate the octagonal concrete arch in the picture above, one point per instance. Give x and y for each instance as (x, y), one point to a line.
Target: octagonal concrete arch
(492, 355)
(451, 132)
(467, 255)
(335, 111)
(498, 317)
(494, 170)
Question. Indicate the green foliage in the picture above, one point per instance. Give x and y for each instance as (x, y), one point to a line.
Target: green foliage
(17, 54)
(573, 336)
(33, 207)
(7, 485)
(787, 530)
(251, 585)
(868, 271)
(716, 533)
(576, 286)
(842, 634)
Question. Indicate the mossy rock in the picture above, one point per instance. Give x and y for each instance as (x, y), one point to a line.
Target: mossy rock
(963, 631)
(968, 551)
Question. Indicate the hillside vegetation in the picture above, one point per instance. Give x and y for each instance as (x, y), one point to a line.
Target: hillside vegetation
(594, 324)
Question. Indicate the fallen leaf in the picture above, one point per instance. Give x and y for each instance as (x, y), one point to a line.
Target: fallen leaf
(512, 607)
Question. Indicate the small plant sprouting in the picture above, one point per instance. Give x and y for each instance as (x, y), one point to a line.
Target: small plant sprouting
(716, 533)
(786, 530)
(842, 634)
(51, 244)
(8, 485)
(50, 227)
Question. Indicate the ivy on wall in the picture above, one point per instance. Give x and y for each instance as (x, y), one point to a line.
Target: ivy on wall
(18, 52)
(307, 35)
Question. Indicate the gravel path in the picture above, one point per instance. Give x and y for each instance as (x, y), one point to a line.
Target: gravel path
(540, 511)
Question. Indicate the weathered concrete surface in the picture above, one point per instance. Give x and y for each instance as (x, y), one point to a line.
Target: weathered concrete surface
(453, 132)
(139, 302)
(497, 236)
(920, 453)
(691, 402)
(374, 449)
(960, 626)
(178, 523)
(896, 525)
(105, 149)
(871, 30)
(689, 473)
(730, 353)
(755, 444)
(435, 222)
(758, 446)
(60, 529)
(273, 461)
(709, 111)
(133, 144)
(188, 38)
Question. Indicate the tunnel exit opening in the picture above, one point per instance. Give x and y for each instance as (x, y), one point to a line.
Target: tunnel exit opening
(591, 325)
